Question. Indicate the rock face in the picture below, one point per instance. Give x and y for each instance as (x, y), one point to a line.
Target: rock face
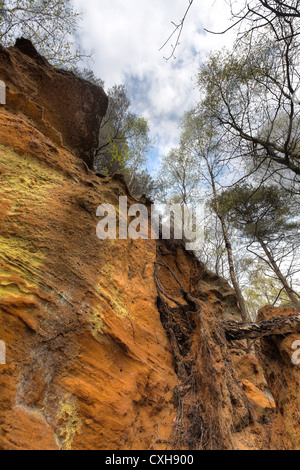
(62, 106)
(104, 348)
(88, 361)
(281, 364)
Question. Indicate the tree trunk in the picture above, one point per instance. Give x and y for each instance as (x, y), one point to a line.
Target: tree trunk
(293, 296)
(234, 281)
(233, 278)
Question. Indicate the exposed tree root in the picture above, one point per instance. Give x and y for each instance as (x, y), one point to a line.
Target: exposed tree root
(279, 326)
(199, 395)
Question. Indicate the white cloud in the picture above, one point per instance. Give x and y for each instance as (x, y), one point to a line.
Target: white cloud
(126, 36)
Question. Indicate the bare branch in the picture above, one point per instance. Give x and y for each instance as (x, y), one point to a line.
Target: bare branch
(177, 33)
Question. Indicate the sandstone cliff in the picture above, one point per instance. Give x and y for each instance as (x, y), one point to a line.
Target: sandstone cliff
(111, 344)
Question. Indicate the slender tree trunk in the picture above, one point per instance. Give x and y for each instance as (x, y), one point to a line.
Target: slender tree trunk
(293, 296)
(233, 278)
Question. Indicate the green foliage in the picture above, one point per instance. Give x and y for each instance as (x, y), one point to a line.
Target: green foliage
(50, 25)
(124, 143)
(263, 289)
(124, 140)
(178, 179)
(268, 218)
(267, 212)
(112, 151)
(138, 144)
(249, 92)
(144, 184)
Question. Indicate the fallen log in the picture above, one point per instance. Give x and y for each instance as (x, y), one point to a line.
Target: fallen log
(255, 330)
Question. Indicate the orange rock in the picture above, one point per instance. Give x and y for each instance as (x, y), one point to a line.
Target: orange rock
(257, 396)
(282, 374)
(96, 359)
(62, 106)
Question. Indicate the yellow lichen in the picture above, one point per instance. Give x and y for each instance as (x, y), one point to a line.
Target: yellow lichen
(118, 303)
(114, 298)
(70, 422)
(14, 290)
(26, 183)
(106, 270)
(19, 271)
(26, 172)
(109, 295)
(20, 252)
(96, 322)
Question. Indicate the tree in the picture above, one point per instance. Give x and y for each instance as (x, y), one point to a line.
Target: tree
(125, 149)
(276, 8)
(144, 185)
(199, 159)
(251, 94)
(262, 288)
(124, 142)
(202, 139)
(138, 145)
(114, 128)
(178, 179)
(253, 15)
(213, 251)
(2, 12)
(88, 75)
(50, 25)
(267, 216)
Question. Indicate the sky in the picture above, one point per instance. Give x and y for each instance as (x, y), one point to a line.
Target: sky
(126, 36)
